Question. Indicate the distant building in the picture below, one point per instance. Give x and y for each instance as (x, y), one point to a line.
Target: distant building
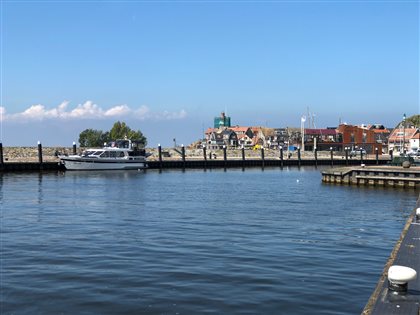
(415, 141)
(381, 134)
(399, 140)
(323, 139)
(222, 121)
(217, 138)
(245, 135)
(354, 137)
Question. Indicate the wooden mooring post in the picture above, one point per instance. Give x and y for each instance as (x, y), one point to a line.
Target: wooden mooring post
(40, 154)
(205, 156)
(160, 156)
(74, 148)
(299, 158)
(224, 156)
(332, 156)
(1, 155)
(262, 157)
(183, 156)
(281, 157)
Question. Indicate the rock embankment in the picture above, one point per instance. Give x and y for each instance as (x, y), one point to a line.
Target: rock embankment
(49, 154)
(30, 154)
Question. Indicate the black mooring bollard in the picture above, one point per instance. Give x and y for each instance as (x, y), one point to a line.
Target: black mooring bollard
(281, 157)
(361, 156)
(205, 157)
(332, 157)
(160, 156)
(183, 156)
(1, 155)
(377, 156)
(262, 157)
(74, 148)
(40, 153)
(391, 153)
(204, 153)
(316, 156)
(299, 157)
(224, 155)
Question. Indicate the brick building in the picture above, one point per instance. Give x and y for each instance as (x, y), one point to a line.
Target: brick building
(360, 137)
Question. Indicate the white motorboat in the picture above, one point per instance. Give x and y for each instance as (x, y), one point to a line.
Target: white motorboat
(116, 155)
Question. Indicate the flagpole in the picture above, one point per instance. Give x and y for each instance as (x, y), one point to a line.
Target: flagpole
(302, 131)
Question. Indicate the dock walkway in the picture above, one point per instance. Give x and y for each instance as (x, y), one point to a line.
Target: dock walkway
(406, 253)
(384, 176)
(197, 163)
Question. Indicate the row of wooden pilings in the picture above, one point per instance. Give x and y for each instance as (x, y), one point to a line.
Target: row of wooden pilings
(281, 157)
(40, 156)
(226, 163)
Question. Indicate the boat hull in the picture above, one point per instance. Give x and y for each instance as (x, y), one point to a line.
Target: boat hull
(86, 165)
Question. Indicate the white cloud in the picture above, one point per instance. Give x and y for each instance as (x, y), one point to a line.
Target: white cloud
(88, 110)
(120, 110)
(142, 113)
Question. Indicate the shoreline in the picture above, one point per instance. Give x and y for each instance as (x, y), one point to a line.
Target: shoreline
(30, 154)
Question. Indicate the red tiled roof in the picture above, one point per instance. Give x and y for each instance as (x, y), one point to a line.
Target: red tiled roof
(210, 130)
(409, 133)
(380, 130)
(239, 129)
(323, 132)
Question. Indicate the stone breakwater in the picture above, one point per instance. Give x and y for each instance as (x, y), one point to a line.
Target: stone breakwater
(30, 154)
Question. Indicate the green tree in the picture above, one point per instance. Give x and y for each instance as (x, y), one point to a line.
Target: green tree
(414, 120)
(410, 121)
(93, 138)
(120, 130)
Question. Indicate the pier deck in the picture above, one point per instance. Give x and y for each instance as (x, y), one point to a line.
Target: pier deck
(406, 253)
(190, 163)
(384, 176)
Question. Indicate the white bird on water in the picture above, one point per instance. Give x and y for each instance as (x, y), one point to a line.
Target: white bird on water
(297, 180)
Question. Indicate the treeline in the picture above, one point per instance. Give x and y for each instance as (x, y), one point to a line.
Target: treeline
(120, 130)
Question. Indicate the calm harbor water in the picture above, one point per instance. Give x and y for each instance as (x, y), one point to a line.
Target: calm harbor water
(194, 242)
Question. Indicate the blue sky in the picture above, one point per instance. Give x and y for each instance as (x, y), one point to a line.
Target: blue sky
(168, 67)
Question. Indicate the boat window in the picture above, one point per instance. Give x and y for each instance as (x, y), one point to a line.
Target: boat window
(104, 154)
(113, 154)
(121, 154)
(87, 153)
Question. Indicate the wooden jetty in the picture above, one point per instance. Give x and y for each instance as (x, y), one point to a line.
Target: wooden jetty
(382, 176)
(205, 161)
(384, 301)
(8, 166)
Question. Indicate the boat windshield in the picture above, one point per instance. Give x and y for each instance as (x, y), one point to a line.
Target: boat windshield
(87, 153)
(112, 154)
